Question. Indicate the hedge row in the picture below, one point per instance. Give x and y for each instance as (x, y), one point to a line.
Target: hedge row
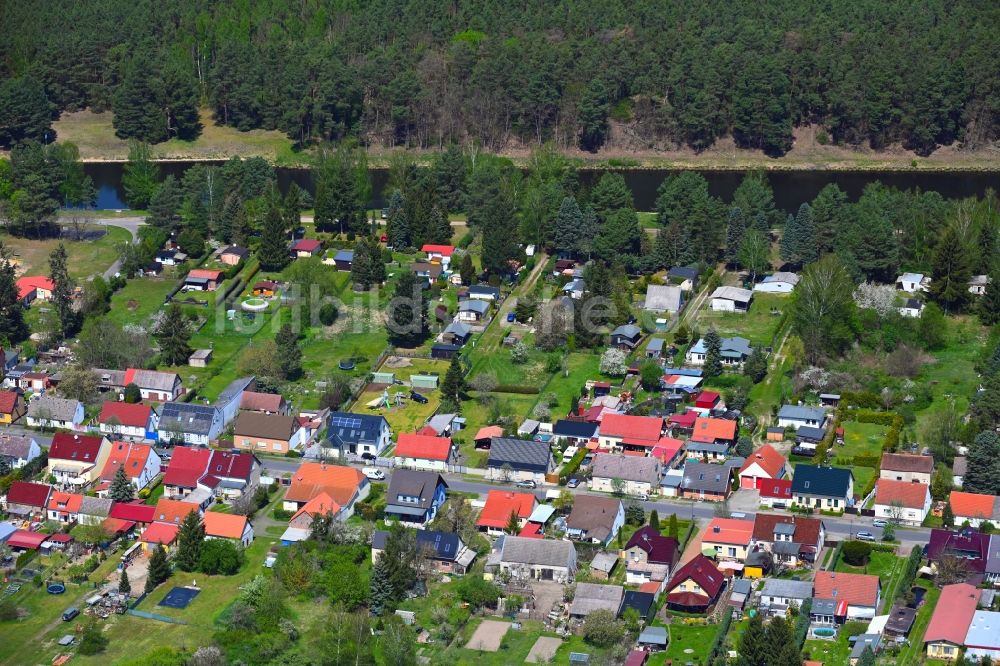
(720, 636)
(572, 466)
(516, 388)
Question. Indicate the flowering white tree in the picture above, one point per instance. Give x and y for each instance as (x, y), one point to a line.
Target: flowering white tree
(613, 363)
(878, 297)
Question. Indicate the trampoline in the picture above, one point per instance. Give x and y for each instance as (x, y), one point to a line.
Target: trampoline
(179, 597)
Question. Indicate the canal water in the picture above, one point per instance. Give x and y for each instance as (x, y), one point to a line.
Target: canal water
(791, 188)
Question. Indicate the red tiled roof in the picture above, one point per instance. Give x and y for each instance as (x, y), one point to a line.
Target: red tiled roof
(953, 614)
(775, 488)
(488, 431)
(709, 429)
(703, 572)
(443, 250)
(224, 525)
(306, 245)
(65, 502)
(136, 416)
(685, 420)
(501, 503)
(133, 511)
(26, 539)
(117, 525)
(807, 530)
(971, 505)
(422, 446)
(339, 482)
(853, 589)
(666, 449)
(205, 273)
(320, 505)
(768, 459)
(531, 531)
(78, 448)
(261, 402)
(172, 511)
(29, 283)
(907, 462)
(187, 466)
(634, 429)
(28, 494)
(728, 530)
(8, 401)
(231, 465)
(910, 495)
(161, 533)
(133, 456)
(659, 549)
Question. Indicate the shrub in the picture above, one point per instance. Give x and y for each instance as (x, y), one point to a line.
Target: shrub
(856, 553)
(93, 641)
(328, 314)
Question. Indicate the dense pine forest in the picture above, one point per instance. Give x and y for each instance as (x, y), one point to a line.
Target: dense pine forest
(669, 73)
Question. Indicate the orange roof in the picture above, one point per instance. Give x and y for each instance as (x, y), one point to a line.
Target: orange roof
(172, 511)
(708, 429)
(29, 283)
(206, 273)
(66, 502)
(423, 446)
(160, 533)
(488, 431)
(768, 459)
(971, 505)
(501, 503)
(855, 589)
(728, 530)
(132, 456)
(311, 479)
(320, 505)
(224, 525)
(911, 495)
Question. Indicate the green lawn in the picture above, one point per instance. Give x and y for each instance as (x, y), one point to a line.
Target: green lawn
(860, 439)
(406, 418)
(683, 637)
(952, 376)
(886, 566)
(84, 258)
(862, 475)
(759, 325)
(139, 299)
(566, 384)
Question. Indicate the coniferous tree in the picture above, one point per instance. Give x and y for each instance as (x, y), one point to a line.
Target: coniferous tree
(755, 198)
(830, 212)
(381, 593)
(713, 353)
(124, 586)
(12, 325)
(798, 244)
(25, 111)
(755, 366)
(173, 333)
(569, 220)
(654, 520)
(735, 229)
(947, 516)
(450, 172)
(121, 489)
(589, 228)
(398, 226)
(361, 266)
(673, 530)
(189, 539)
(62, 292)
(619, 237)
(377, 273)
(439, 227)
(983, 461)
(407, 320)
(289, 356)
(466, 269)
(593, 115)
(513, 523)
(453, 385)
(989, 304)
(292, 207)
(273, 252)
(159, 568)
(754, 649)
(951, 271)
(137, 114)
(867, 657)
(165, 205)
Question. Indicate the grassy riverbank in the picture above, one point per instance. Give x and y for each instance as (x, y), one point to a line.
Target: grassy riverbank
(94, 134)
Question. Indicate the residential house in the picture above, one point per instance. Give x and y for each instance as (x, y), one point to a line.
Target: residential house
(229, 526)
(626, 337)
(35, 382)
(440, 254)
(796, 416)
(644, 604)
(427, 270)
(714, 431)
(483, 292)
(974, 508)
(344, 260)
(32, 287)
(203, 279)
(733, 352)
(345, 485)
(829, 488)
(233, 255)
(444, 351)
(911, 283)
(945, 635)
(140, 461)
(64, 508)
(230, 475)
(631, 475)
(864, 642)
(457, 333)
(664, 298)
(94, 510)
(187, 467)
(276, 434)
(705, 481)
(654, 348)
(982, 641)
(912, 307)
(306, 247)
(707, 451)
(649, 556)
(590, 597)
(595, 519)
(495, 518)
(265, 403)
(445, 551)
(686, 277)
(12, 406)
(472, 310)
(575, 288)
(906, 467)
(519, 460)
(695, 586)
(968, 545)
(27, 500)
(155, 385)
(978, 284)
(763, 464)
(16, 451)
(365, 435)
(414, 497)
(77, 460)
(424, 452)
(50, 412)
(229, 400)
(637, 433)
(320, 505)
(574, 432)
(903, 501)
(170, 257)
(992, 569)
(533, 559)
(731, 299)
(778, 595)
(792, 540)
(856, 596)
(159, 535)
(775, 493)
(781, 282)
(668, 451)
(729, 538)
(122, 420)
(188, 423)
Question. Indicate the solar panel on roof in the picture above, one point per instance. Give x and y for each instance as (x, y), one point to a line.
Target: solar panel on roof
(345, 422)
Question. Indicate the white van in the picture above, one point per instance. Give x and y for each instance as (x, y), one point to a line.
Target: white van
(569, 453)
(373, 473)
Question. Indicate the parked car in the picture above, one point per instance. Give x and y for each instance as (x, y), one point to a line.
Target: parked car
(865, 536)
(642, 497)
(526, 484)
(880, 522)
(510, 316)
(573, 482)
(373, 473)
(70, 613)
(416, 397)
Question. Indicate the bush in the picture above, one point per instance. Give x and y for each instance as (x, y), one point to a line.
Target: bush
(572, 466)
(856, 553)
(603, 630)
(8, 611)
(283, 516)
(24, 558)
(94, 641)
(328, 314)
(720, 635)
(516, 388)
(220, 556)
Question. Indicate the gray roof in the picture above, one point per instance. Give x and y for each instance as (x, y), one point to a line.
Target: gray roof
(441, 422)
(653, 636)
(704, 476)
(591, 596)
(15, 446)
(685, 272)
(412, 483)
(96, 506)
(52, 408)
(707, 447)
(660, 298)
(594, 515)
(458, 328)
(983, 630)
(959, 467)
(627, 468)
(783, 276)
(155, 380)
(520, 454)
(863, 641)
(802, 413)
(789, 589)
(737, 294)
(604, 562)
(544, 552)
(655, 344)
(628, 330)
(482, 307)
(485, 290)
(742, 586)
(185, 417)
(344, 255)
(234, 390)
(823, 606)
(993, 556)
